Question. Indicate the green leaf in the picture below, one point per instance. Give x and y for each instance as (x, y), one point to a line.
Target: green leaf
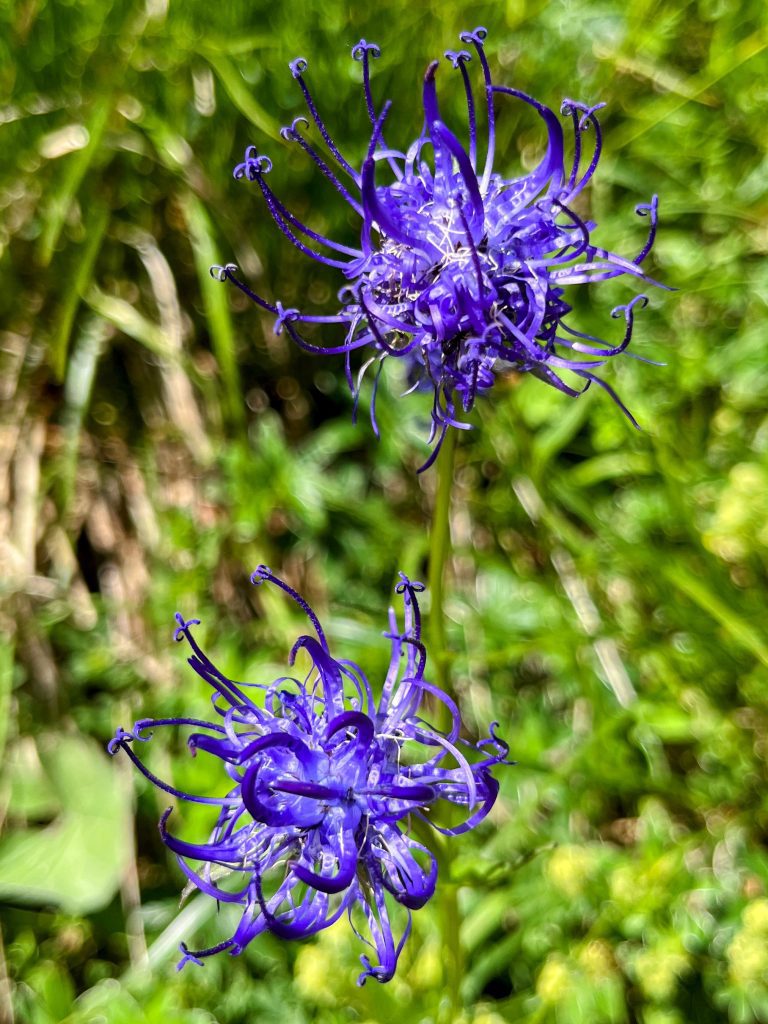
(743, 632)
(242, 97)
(75, 169)
(216, 302)
(95, 229)
(77, 862)
(31, 794)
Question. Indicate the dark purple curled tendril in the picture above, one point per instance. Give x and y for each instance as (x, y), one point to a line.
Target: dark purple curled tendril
(324, 785)
(459, 271)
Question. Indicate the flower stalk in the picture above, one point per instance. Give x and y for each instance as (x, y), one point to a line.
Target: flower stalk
(440, 553)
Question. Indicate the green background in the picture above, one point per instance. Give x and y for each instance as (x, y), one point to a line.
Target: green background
(606, 598)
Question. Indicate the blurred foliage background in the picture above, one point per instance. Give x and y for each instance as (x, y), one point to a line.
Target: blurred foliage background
(606, 598)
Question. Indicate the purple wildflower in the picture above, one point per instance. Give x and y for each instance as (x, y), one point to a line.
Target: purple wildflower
(325, 786)
(459, 271)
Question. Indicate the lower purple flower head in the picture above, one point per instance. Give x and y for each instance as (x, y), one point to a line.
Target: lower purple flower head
(460, 272)
(325, 788)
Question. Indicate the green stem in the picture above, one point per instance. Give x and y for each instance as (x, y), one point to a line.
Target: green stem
(440, 555)
(439, 559)
(454, 955)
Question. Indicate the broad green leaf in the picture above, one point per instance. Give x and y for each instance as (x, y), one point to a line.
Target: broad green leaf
(77, 862)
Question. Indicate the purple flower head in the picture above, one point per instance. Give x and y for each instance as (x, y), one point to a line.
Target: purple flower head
(325, 786)
(459, 271)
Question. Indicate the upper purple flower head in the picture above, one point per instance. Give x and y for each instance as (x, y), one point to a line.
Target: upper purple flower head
(325, 785)
(459, 270)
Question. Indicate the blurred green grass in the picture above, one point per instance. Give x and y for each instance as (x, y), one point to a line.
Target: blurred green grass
(607, 595)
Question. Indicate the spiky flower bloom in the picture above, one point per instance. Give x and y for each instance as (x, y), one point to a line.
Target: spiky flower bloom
(325, 787)
(460, 271)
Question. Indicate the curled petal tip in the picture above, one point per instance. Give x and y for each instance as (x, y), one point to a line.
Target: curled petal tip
(187, 957)
(219, 273)
(569, 106)
(626, 309)
(291, 131)
(284, 316)
(298, 66)
(478, 35)
(644, 209)
(183, 626)
(253, 166)
(458, 57)
(408, 584)
(360, 49)
(118, 740)
(260, 574)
